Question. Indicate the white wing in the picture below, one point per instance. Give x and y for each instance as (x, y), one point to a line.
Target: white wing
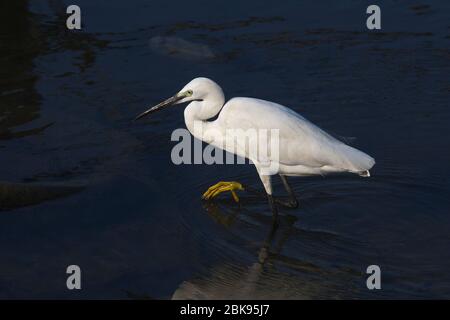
(301, 142)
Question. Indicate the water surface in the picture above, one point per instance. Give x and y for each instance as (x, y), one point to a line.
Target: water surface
(82, 184)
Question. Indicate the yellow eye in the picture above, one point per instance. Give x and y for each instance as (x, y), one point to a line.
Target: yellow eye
(189, 93)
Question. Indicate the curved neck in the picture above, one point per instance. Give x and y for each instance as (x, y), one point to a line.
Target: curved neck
(197, 113)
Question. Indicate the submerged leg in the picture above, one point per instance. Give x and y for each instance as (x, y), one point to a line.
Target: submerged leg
(274, 209)
(266, 180)
(292, 202)
(233, 186)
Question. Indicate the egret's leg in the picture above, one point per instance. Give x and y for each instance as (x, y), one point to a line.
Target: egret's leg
(292, 202)
(267, 182)
(223, 186)
(273, 208)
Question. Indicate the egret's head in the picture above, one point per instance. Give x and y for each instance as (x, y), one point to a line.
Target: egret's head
(196, 90)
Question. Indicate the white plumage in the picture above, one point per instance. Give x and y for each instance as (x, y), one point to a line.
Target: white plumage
(303, 149)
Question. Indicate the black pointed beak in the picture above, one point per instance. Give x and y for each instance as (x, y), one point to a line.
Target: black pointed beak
(161, 105)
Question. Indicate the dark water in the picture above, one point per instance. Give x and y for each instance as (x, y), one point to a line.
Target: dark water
(83, 185)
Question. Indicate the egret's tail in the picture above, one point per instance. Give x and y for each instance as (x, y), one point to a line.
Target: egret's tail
(364, 174)
(357, 161)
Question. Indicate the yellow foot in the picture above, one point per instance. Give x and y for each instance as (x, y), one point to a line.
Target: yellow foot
(223, 186)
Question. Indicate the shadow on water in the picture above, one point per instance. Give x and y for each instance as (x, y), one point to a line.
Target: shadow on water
(19, 101)
(272, 275)
(15, 195)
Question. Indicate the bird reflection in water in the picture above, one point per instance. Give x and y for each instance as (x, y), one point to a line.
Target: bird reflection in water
(261, 280)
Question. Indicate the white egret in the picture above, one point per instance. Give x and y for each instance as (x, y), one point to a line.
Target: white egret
(303, 148)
